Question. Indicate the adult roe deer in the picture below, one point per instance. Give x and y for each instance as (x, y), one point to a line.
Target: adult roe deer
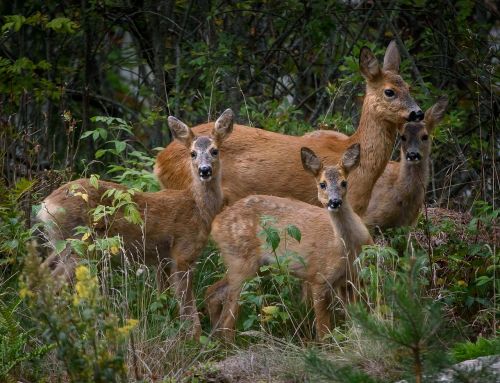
(255, 157)
(177, 223)
(399, 193)
(327, 256)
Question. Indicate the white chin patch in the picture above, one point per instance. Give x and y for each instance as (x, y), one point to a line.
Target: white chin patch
(206, 179)
(332, 208)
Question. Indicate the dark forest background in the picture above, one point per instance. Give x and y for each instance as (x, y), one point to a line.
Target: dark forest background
(288, 66)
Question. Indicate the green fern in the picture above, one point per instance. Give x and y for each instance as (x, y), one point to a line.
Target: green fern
(14, 342)
(470, 350)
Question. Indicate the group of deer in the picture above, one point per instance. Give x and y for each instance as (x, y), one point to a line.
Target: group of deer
(255, 173)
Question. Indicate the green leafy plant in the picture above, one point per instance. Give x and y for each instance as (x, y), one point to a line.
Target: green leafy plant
(89, 340)
(132, 167)
(273, 299)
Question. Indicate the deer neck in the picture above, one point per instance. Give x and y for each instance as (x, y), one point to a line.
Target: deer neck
(414, 176)
(346, 226)
(208, 197)
(376, 137)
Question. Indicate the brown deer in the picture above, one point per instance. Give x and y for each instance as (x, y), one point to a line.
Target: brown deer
(327, 257)
(255, 157)
(177, 223)
(399, 193)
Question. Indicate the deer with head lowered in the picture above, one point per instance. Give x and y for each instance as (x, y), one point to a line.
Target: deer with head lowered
(399, 193)
(177, 223)
(255, 156)
(327, 256)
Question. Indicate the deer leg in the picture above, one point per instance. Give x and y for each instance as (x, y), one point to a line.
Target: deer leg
(215, 297)
(227, 320)
(183, 283)
(62, 265)
(321, 302)
(240, 268)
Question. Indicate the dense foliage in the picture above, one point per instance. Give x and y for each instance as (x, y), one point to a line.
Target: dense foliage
(85, 89)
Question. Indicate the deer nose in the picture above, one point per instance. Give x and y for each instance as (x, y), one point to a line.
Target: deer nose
(205, 171)
(334, 203)
(413, 156)
(416, 115)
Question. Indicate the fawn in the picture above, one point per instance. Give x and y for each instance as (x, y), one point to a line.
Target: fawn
(255, 156)
(328, 258)
(177, 223)
(399, 193)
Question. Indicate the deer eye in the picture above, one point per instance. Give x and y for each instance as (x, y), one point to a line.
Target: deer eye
(214, 152)
(322, 185)
(389, 93)
(425, 137)
(193, 154)
(403, 138)
(343, 183)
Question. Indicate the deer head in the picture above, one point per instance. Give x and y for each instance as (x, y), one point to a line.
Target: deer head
(331, 180)
(204, 150)
(386, 91)
(415, 142)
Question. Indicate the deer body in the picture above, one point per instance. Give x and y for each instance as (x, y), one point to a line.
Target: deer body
(399, 193)
(176, 223)
(263, 162)
(327, 258)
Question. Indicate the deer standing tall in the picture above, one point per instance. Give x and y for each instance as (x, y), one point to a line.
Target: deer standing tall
(399, 193)
(177, 223)
(332, 237)
(255, 157)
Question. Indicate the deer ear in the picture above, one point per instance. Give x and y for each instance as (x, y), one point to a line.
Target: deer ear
(223, 126)
(350, 159)
(435, 113)
(392, 59)
(180, 131)
(368, 64)
(310, 161)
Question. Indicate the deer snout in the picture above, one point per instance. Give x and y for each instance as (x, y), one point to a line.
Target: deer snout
(416, 115)
(413, 156)
(334, 204)
(205, 172)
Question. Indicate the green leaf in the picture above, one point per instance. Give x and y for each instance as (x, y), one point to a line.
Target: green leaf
(60, 246)
(62, 25)
(94, 181)
(483, 279)
(14, 22)
(294, 232)
(272, 237)
(120, 146)
(103, 133)
(87, 133)
(100, 153)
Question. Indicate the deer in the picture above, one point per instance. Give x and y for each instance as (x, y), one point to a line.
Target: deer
(255, 156)
(332, 237)
(399, 193)
(177, 223)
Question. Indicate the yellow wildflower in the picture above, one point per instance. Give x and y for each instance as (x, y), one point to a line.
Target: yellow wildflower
(114, 250)
(86, 285)
(25, 292)
(130, 324)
